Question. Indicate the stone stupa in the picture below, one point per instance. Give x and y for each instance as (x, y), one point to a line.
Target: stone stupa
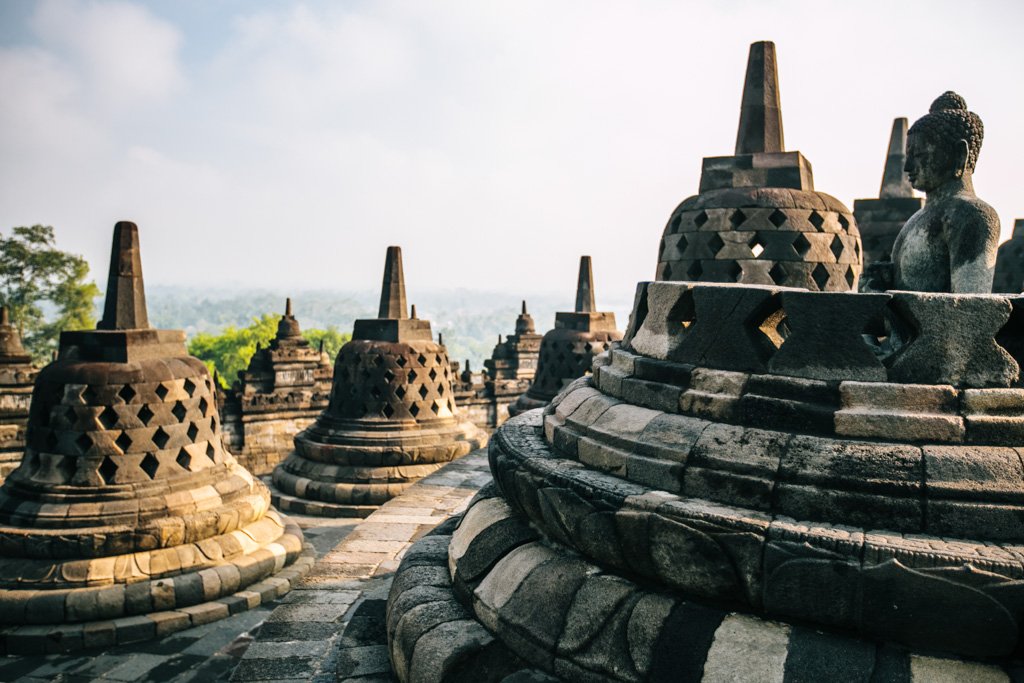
(719, 502)
(391, 419)
(17, 375)
(880, 220)
(1009, 276)
(127, 519)
(757, 219)
(516, 357)
(567, 350)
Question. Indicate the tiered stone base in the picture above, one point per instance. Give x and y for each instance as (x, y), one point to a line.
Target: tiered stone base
(581, 575)
(66, 606)
(348, 473)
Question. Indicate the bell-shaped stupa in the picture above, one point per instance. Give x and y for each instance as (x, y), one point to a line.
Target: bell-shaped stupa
(757, 219)
(1009, 276)
(568, 350)
(17, 375)
(391, 419)
(880, 220)
(127, 519)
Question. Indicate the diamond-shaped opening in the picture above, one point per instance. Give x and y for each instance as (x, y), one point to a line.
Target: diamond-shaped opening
(440, 390)
(666, 272)
(389, 376)
(193, 432)
(820, 276)
(71, 416)
(412, 375)
(204, 406)
(836, 246)
(734, 271)
(736, 218)
(849, 277)
(588, 347)
(423, 391)
(435, 407)
(160, 437)
(777, 218)
(695, 271)
(414, 409)
(817, 220)
(801, 245)
(84, 443)
(715, 243)
(127, 393)
(150, 465)
(700, 219)
(388, 410)
(145, 414)
(844, 222)
(756, 245)
(123, 441)
(673, 225)
(88, 395)
(184, 460)
(401, 361)
(376, 360)
(179, 411)
(775, 328)
(211, 452)
(162, 391)
(190, 387)
(213, 423)
(108, 418)
(400, 392)
(682, 244)
(108, 470)
(421, 359)
(432, 374)
(778, 274)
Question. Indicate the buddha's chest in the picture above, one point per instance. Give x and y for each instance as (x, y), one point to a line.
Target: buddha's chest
(922, 255)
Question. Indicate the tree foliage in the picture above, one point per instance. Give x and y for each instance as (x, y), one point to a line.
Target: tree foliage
(36, 278)
(229, 352)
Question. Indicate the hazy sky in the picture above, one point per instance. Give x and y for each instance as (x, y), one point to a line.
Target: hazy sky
(264, 143)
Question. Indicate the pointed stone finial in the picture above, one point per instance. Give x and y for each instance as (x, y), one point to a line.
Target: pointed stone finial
(524, 307)
(5, 316)
(440, 339)
(760, 112)
(412, 313)
(321, 346)
(1018, 227)
(499, 339)
(895, 182)
(585, 287)
(125, 305)
(392, 293)
(288, 306)
(467, 365)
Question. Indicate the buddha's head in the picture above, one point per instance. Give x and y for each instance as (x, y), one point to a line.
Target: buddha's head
(943, 145)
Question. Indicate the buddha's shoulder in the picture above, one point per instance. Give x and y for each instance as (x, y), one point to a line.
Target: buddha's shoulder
(969, 207)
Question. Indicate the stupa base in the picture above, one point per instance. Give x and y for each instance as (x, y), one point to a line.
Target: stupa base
(315, 508)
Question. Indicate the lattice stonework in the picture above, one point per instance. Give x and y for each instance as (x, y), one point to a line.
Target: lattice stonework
(566, 357)
(392, 382)
(113, 434)
(813, 245)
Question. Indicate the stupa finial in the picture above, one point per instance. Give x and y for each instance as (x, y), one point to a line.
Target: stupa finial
(760, 112)
(5, 316)
(288, 306)
(125, 304)
(524, 307)
(895, 182)
(392, 293)
(585, 287)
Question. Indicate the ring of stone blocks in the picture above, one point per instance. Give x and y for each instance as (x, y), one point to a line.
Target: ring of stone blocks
(566, 355)
(943, 489)
(887, 411)
(856, 579)
(38, 639)
(392, 381)
(346, 493)
(774, 236)
(966, 340)
(301, 506)
(349, 443)
(467, 601)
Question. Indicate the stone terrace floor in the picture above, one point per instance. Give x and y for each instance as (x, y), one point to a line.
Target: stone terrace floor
(297, 637)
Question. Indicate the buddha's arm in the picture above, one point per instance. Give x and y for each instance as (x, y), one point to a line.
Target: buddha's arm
(973, 238)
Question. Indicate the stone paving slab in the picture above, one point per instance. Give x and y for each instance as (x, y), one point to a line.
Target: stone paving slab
(315, 633)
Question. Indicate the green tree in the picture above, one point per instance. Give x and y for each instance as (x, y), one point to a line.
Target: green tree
(229, 352)
(35, 274)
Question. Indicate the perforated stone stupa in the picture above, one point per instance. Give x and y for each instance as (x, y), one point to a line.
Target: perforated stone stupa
(17, 375)
(567, 351)
(284, 389)
(517, 356)
(1009, 276)
(391, 419)
(757, 219)
(728, 498)
(127, 519)
(880, 220)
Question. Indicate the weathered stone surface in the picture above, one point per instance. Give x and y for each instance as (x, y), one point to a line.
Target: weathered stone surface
(17, 376)
(725, 329)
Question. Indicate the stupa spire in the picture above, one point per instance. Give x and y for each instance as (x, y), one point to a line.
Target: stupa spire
(585, 287)
(392, 294)
(760, 127)
(895, 182)
(125, 304)
(524, 307)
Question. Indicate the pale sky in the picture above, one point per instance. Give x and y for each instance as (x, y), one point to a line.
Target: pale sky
(263, 143)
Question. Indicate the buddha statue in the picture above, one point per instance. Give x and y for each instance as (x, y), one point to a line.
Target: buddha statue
(950, 244)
